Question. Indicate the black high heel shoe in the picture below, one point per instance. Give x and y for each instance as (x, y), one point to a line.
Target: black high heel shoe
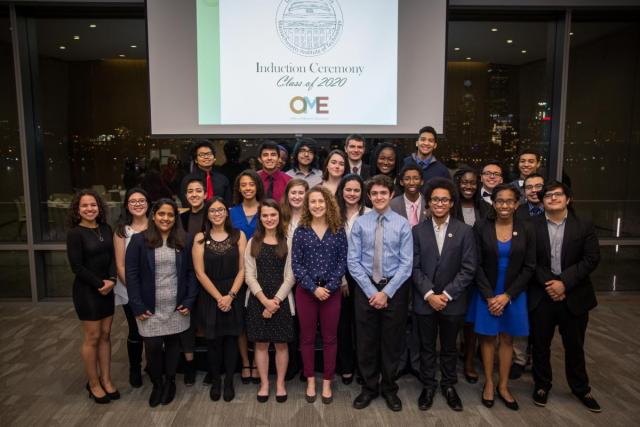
(255, 380)
(486, 402)
(101, 400)
(347, 380)
(246, 380)
(111, 395)
(513, 405)
(470, 378)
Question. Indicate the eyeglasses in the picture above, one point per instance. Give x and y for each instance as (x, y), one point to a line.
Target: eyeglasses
(536, 187)
(217, 211)
(557, 194)
(206, 155)
(492, 174)
(440, 200)
(305, 151)
(137, 202)
(501, 202)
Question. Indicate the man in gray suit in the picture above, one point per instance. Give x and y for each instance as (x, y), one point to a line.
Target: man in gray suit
(410, 204)
(444, 265)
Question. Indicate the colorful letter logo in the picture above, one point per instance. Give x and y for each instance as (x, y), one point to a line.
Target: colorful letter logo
(304, 105)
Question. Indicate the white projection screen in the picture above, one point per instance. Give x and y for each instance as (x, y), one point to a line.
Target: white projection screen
(282, 67)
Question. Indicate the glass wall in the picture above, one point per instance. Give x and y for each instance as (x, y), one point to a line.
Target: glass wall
(602, 138)
(13, 219)
(498, 93)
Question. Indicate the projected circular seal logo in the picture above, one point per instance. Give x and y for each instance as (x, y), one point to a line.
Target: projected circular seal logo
(309, 27)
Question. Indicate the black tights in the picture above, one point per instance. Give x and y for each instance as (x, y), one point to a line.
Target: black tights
(219, 350)
(161, 349)
(134, 340)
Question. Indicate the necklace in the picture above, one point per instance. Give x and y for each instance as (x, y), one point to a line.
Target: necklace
(98, 233)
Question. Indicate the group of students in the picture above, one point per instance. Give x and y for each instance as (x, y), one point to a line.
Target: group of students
(351, 258)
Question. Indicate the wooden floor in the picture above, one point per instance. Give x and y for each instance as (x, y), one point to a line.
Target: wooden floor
(42, 383)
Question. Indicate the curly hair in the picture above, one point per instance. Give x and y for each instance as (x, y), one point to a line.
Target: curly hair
(332, 214)
(73, 214)
(237, 195)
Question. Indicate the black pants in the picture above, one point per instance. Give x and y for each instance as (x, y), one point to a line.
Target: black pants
(544, 319)
(346, 358)
(222, 350)
(379, 339)
(134, 340)
(429, 326)
(164, 349)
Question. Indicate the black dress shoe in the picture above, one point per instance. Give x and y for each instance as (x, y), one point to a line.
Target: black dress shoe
(216, 389)
(246, 380)
(310, 398)
(363, 400)
(453, 400)
(588, 401)
(135, 377)
(156, 394)
(208, 379)
(513, 405)
(229, 392)
(281, 399)
(470, 378)
(114, 395)
(393, 402)
(486, 402)
(262, 399)
(168, 391)
(540, 397)
(189, 373)
(101, 400)
(347, 380)
(359, 380)
(516, 371)
(426, 399)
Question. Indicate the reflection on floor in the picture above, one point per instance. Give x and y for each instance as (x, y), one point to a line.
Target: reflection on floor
(42, 383)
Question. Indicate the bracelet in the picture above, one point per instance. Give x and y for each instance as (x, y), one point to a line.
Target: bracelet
(232, 294)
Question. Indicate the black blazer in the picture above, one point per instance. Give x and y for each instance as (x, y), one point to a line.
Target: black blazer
(580, 256)
(522, 213)
(140, 272)
(522, 258)
(221, 186)
(452, 271)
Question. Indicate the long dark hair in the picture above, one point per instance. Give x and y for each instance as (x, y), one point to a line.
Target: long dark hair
(152, 236)
(73, 214)
(125, 216)
(340, 195)
(281, 234)
(233, 233)
(457, 177)
(311, 145)
(325, 170)
(374, 159)
(237, 196)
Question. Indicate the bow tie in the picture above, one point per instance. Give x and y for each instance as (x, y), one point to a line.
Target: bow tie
(485, 194)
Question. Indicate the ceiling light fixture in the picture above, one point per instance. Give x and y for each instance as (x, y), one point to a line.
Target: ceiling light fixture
(121, 55)
(570, 34)
(494, 30)
(468, 58)
(76, 37)
(62, 47)
(456, 49)
(92, 25)
(523, 51)
(509, 41)
(133, 46)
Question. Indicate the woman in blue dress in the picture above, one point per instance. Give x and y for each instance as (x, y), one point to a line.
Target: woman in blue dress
(248, 192)
(507, 255)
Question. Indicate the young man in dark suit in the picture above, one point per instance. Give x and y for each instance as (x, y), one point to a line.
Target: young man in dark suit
(567, 253)
(203, 154)
(531, 208)
(411, 205)
(355, 146)
(444, 264)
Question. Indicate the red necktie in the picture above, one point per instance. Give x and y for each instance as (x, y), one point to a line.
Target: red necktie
(355, 170)
(210, 192)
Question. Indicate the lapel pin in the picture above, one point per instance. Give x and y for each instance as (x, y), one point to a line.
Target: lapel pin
(515, 233)
(450, 235)
(208, 242)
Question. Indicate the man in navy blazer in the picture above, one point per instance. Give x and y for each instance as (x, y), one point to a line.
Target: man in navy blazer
(444, 265)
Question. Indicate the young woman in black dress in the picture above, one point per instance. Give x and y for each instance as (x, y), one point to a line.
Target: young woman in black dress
(270, 308)
(218, 260)
(90, 252)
